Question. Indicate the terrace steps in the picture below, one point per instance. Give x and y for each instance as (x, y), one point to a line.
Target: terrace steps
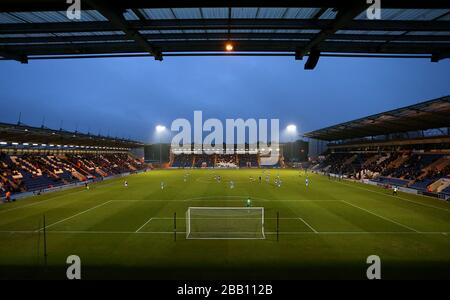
(371, 160)
(383, 158)
(398, 162)
(440, 185)
(439, 165)
(350, 160)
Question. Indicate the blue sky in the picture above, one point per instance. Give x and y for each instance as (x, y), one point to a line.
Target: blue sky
(128, 97)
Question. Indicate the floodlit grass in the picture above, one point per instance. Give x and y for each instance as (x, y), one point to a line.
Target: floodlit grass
(326, 231)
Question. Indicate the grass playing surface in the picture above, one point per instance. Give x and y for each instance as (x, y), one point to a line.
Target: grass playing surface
(325, 231)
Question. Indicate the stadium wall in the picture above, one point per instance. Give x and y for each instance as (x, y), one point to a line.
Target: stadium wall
(152, 153)
(138, 153)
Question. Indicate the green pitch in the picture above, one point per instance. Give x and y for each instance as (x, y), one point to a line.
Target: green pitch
(325, 231)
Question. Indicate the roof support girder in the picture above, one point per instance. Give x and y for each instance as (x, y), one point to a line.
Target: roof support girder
(117, 19)
(217, 46)
(222, 36)
(224, 24)
(343, 17)
(13, 56)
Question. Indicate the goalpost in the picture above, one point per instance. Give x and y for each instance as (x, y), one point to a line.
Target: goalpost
(225, 223)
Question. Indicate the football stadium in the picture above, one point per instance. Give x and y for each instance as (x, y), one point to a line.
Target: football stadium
(353, 187)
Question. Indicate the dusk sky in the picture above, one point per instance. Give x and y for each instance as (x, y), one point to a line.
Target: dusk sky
(129, 97)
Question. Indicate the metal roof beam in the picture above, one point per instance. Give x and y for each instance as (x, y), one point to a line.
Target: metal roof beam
(426, 120)
(22, 134)
(13, 56)
(343, 16)
(221, 36)
(443, 116)
(117, 19)
(422, 121)
(138, 14)
(222, 24)
(217, 46)
(360, 131)
(397, 126)
(318, 14)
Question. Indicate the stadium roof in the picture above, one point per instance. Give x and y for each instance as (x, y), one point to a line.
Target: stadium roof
(40, 29)
(423, 116)
(27, 134)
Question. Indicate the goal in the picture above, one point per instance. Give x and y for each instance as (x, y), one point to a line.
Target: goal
(225, 223)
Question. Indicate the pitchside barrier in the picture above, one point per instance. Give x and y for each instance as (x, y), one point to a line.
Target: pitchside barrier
(441, 196)
(69, 186)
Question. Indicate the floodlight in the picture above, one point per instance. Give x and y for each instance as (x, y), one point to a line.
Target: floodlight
(160, 128)
(291, 128)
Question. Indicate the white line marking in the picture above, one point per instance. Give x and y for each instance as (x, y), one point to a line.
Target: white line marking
(365, 232)
(397, 197)
(269, 233)
(226, 238)
(217, 200)
(307, 224)
(384, 218)
(149, 220)
(78, 214)
(214, 218)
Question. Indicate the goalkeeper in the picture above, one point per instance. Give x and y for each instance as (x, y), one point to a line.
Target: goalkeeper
(248, 203)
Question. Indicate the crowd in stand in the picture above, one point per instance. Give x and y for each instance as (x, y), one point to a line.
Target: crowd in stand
(413, 167)
(215, 160)
(335, 162)
(183, 161)
(403, 168)
(439, 173)
(248, 160)
(8, 170)
(204, 160)
(226, 161)
(30, 172)
(383, 162)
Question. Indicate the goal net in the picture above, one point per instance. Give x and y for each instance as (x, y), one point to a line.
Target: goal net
(225, 223)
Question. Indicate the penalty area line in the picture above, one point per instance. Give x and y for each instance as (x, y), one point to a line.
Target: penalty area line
(145, 224)
(307, 224)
